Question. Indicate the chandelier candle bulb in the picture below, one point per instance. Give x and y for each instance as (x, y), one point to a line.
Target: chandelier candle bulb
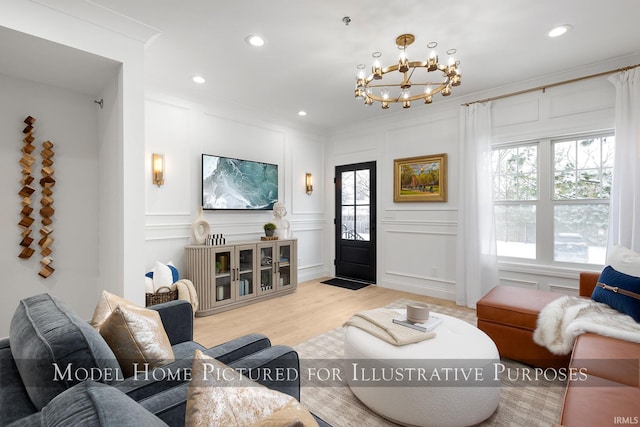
(376, 69)
(403, 65)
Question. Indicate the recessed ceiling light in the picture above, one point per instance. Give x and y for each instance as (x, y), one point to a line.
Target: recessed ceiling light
(559, 30)
(302, 113)
(254, 40)
(198, 79)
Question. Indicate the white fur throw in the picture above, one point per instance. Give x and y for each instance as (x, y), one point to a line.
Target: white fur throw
(561, 321)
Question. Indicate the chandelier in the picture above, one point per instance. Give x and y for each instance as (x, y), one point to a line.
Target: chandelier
(401, 88)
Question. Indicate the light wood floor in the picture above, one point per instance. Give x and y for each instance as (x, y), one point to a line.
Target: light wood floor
(312, 310)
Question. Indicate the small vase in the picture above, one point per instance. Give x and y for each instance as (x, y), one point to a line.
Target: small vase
(269, 233)
(200, 229)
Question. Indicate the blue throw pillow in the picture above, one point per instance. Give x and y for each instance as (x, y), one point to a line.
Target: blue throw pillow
(174, 273)
(623, 303)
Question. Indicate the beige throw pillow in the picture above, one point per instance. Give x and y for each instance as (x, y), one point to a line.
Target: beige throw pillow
(136, 335)
(292, 415)
(220, 396)
(106, 304)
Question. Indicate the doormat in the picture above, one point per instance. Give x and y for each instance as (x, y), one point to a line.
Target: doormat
(347, 284)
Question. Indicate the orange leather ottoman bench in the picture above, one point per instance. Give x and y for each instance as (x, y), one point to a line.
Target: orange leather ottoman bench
(509, 316)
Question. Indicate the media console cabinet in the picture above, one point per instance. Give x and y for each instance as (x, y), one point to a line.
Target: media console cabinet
(241, 273)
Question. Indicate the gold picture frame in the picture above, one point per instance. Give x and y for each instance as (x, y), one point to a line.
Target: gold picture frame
(420, 179)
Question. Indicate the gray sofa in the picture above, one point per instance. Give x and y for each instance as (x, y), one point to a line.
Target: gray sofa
(55, 369)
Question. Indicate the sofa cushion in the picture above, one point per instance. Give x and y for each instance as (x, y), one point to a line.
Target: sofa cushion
(623, 303)
(596, 401)
(91, 404)
(136, 336)
(609, 358)
(54, 349)
(14, 399)
(513, 306)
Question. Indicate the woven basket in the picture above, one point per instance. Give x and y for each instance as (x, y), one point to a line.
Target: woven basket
(160, 297)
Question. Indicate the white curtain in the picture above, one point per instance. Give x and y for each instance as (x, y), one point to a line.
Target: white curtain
(476, 261)
(624, 215)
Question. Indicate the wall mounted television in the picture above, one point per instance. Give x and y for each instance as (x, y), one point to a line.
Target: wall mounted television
(236, 184)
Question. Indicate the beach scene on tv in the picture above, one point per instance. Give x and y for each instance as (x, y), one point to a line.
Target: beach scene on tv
(420, 178)
(229, 183)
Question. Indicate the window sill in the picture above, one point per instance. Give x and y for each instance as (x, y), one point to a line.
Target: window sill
(565, 270)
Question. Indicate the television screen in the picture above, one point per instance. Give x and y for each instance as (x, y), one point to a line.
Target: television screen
(229, 183)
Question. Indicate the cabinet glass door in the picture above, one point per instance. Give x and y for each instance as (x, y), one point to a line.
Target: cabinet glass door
(245, 272)
(224, 276)
(267, 266)
(284, 265)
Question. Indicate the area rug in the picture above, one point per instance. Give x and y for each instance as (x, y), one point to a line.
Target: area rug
(344, 283)
(521, 402)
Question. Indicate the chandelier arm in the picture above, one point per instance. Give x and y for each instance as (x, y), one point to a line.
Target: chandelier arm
(411, 98)
(432, 84)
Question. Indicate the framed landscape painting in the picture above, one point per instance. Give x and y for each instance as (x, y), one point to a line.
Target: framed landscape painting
(420, 179)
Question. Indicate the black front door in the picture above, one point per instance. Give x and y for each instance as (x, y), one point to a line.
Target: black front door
(356, 221)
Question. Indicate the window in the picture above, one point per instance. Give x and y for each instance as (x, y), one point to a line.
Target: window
(551, 198)
(355, 205)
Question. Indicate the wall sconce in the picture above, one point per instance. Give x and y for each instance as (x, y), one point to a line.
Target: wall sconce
(308, 183)
(157, 166)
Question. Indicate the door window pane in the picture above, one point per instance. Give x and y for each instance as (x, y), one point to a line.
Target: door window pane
(362, 231)
(348, 222)
(362, 187)
(348, 195)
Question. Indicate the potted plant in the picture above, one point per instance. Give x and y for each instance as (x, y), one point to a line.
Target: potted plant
(269, 229)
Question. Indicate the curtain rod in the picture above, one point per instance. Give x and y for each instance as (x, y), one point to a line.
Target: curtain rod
(544, 87)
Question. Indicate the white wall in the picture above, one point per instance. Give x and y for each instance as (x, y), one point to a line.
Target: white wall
(417, 241)
(183, 131)
(70, 121)
(120, 137)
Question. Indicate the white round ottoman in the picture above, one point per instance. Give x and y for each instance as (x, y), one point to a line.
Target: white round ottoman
(448, 380)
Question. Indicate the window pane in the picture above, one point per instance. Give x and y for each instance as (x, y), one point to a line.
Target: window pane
(565, 155)
(348, 223)
(362, 223)
(347, 188)
(580, 232)
(515, 173)
(608, 145)
(588, 151)
(516, 230)
(362, 187)
(565, 184)
(583, 168)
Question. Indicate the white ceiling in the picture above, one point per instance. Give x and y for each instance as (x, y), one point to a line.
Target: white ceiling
(310, 57)
(39, 60)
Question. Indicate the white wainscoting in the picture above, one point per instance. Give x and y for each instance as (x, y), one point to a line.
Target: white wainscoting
(166, 235)
(418, 256)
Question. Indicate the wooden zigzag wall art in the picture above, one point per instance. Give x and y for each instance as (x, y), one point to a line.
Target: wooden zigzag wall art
(46, 201)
